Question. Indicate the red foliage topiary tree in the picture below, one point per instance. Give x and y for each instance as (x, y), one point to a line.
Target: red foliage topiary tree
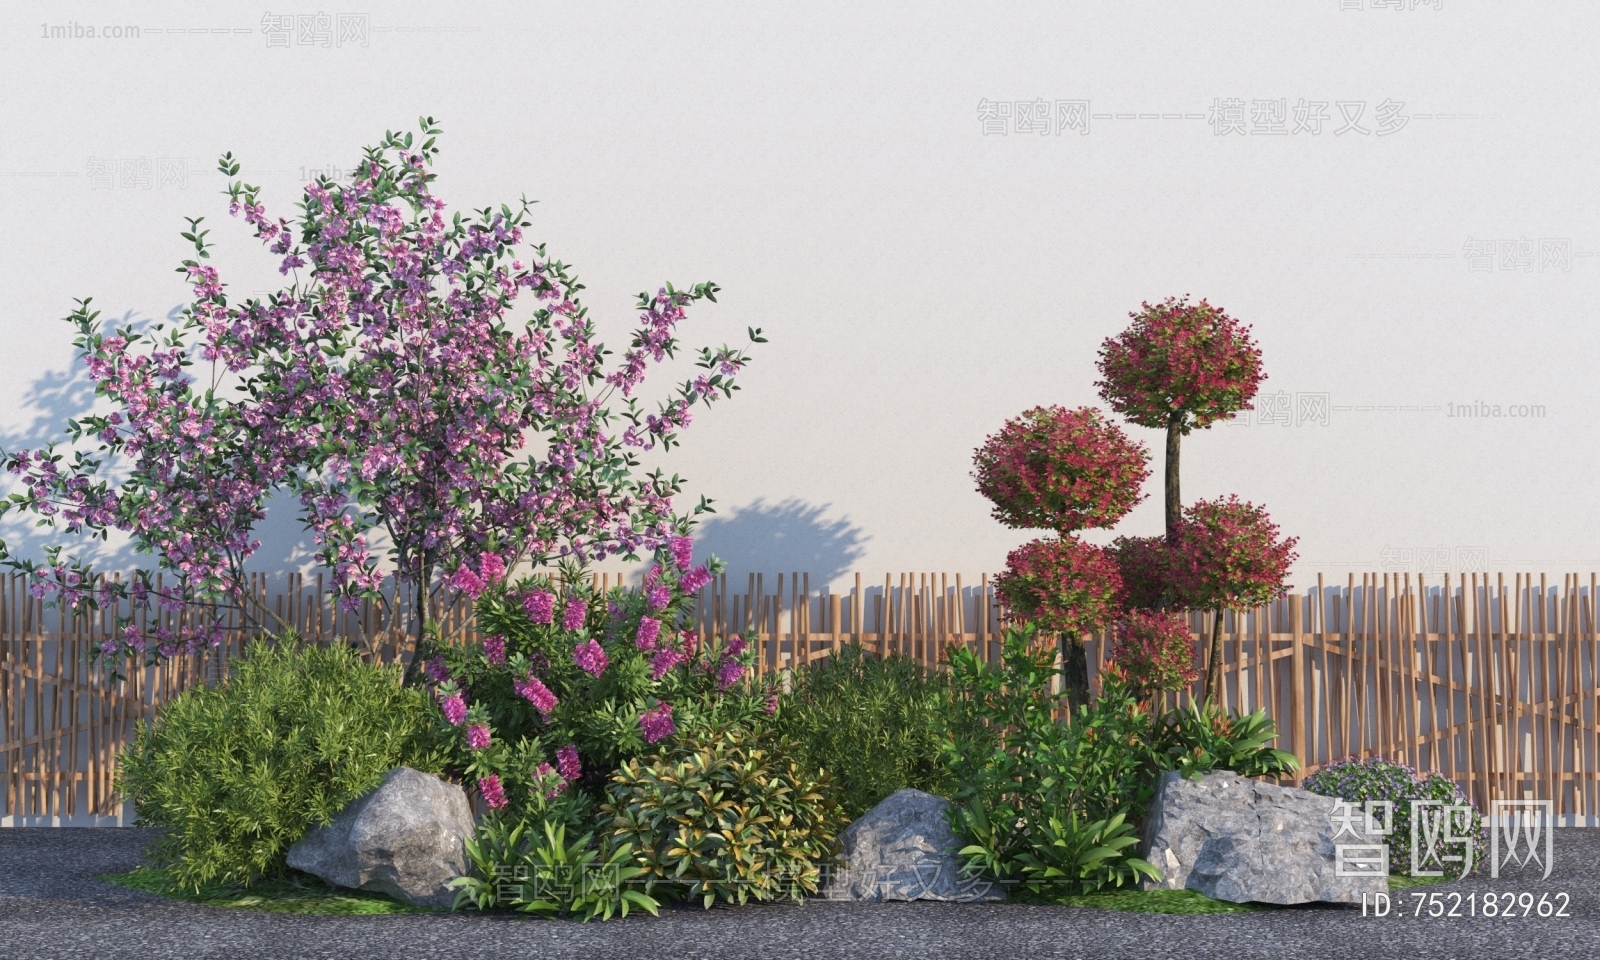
(1178, 367)
(1227, 555)
(1062, 470)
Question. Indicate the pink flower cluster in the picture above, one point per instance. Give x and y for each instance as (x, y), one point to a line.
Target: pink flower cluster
(540, 607)
(649, 631)
(590, 657)
(573, 616)
(533, 690)
(478, 737)
(656, 722)
(454, 708)
(492, 792)
(567, 760)
(494, 650)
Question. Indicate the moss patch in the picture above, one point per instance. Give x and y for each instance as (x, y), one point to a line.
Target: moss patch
(292, 893)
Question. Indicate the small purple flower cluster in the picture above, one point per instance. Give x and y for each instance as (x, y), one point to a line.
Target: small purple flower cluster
(454, 708)
(649, 631)
(572, 618)
(478, 737)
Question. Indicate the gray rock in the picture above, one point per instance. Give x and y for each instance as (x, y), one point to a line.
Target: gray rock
(904, 849)
(405, 838)
(1236, 839)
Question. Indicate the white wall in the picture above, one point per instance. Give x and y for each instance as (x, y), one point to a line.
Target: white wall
(920, 281)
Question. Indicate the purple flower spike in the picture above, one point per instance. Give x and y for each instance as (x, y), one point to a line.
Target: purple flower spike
(540, 607)
(478, 737)
(577, 611)
(649, 630)
(682, 551)
(455, 709)
(567, 760)
(657, 722)
(493, 793)
(494, 649)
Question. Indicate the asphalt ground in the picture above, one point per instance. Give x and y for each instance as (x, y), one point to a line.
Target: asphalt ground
(51, 905)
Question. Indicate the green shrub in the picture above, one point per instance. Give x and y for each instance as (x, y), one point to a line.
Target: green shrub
(237, 773)
(872, 724)
(1057, 805)
(1358, 781)
(726, 812)
(1201, 739)
(540, 871)
(1039, 801)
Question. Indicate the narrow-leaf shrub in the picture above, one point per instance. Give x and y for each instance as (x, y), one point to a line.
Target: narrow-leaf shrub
(726, 813)
(1375, 778)
(873, 724)
(234, 774)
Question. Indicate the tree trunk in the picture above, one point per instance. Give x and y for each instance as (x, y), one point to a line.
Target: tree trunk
(1214, 667)
(413, 670)
(1174, 501)
(1075, 671)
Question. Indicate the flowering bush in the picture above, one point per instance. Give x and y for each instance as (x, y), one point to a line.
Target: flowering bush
(1155, 651)
(1358, 781)
(1227, 555)
(387, 388)
(1178, 367)
(1062, 470)
(577, 682)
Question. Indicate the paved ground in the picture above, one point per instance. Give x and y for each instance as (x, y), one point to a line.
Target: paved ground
(51, 906)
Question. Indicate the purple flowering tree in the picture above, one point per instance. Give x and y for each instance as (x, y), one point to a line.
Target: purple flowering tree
(390, 387)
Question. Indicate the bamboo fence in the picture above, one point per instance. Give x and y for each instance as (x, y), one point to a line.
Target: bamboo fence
(1490, 684)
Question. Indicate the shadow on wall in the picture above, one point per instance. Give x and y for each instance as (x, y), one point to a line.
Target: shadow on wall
(55, 397)
(791, 535)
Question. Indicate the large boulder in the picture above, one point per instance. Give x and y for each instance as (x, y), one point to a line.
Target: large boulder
(904, 849)
(1241, 840)
(406, 839)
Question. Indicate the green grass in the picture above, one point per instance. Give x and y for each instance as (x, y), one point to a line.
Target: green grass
(1397, 882)
(293, 893)
(1182, 902)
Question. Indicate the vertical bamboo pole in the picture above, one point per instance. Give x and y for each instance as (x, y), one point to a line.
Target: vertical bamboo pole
(1297, 687)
